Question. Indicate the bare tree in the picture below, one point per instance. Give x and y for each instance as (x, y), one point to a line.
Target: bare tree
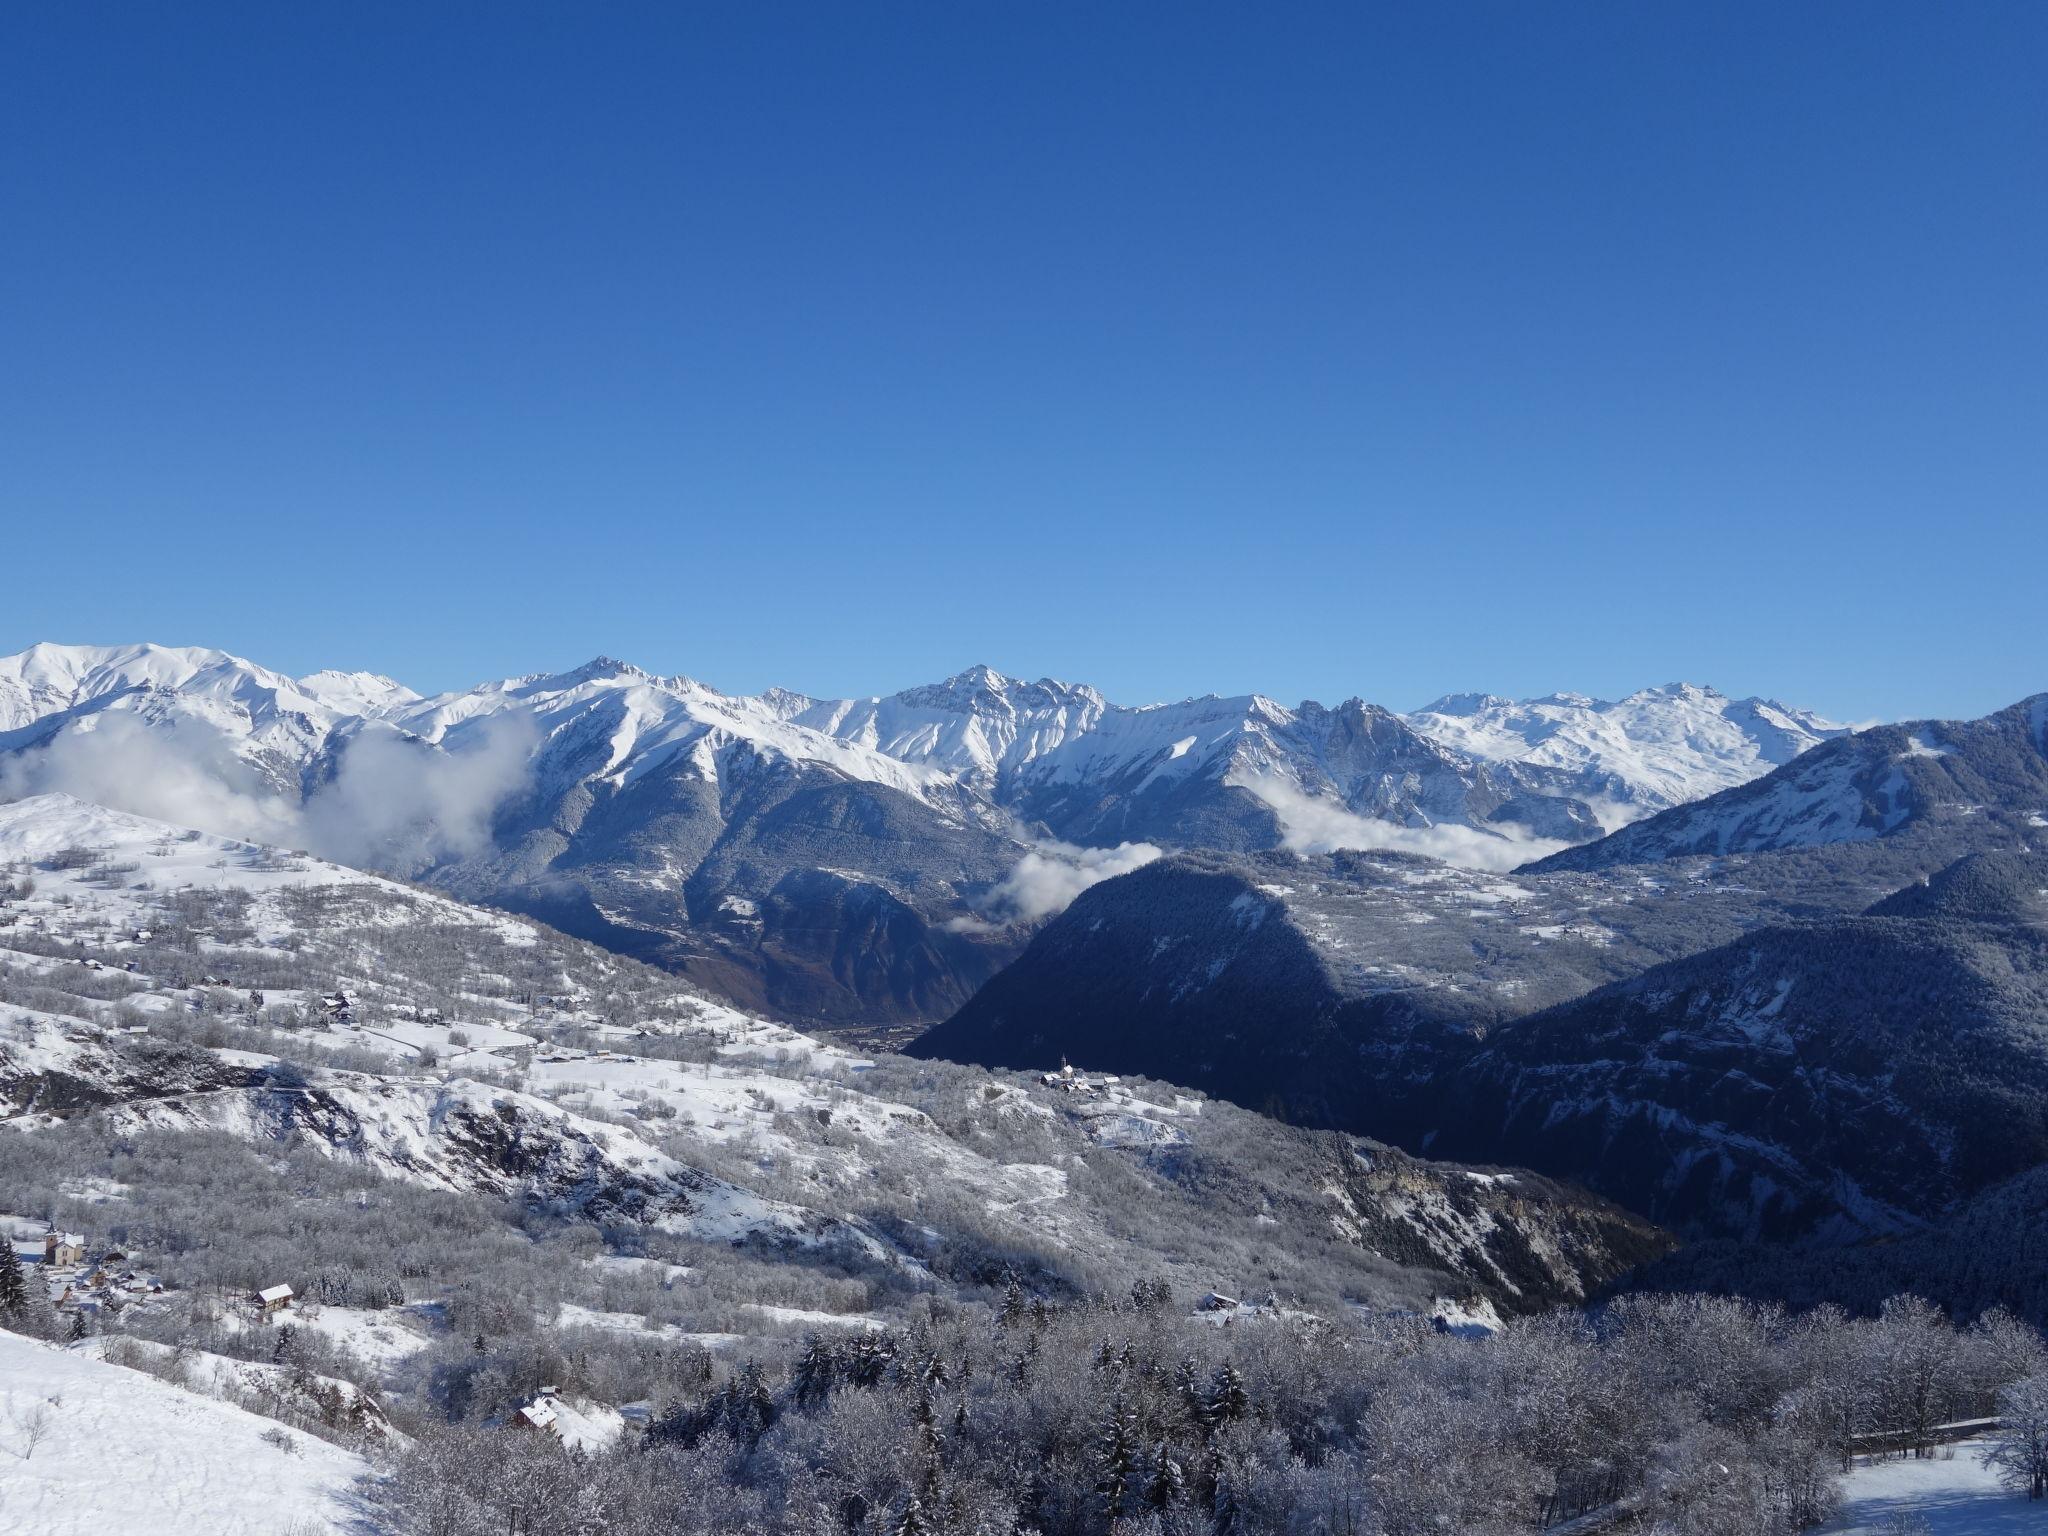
(33, 1428)
(2019, 1446)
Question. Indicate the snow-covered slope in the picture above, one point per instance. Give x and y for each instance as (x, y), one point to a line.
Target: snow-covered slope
(1656, 748)
(274, 722)
(1969, 783)
(123, 1451)
(466, 1053)
(1951, 1494)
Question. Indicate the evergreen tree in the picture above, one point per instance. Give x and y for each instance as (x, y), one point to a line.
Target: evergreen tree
(912, 1521)
(810, 1380)
(926, 1424)
(1228, 1401)
(1116, 1452)
(13, 1284)
(1168, 1483)
(1187, 1390)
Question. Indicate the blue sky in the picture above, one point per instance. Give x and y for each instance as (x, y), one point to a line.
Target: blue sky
(1320, 350)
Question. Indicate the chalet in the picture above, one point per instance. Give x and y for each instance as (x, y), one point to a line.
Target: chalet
(63, 1247)
(273, 1300)
(538, 1415)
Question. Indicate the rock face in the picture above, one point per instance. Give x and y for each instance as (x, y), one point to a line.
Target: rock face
(832, 861)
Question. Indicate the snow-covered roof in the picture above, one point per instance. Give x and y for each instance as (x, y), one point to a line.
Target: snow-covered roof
(539, 1413)
(275, 1293)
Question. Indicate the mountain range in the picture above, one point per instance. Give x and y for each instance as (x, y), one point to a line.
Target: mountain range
(1808, 1007)
(834, 861)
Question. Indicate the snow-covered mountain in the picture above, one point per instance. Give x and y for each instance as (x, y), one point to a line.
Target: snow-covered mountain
(834, 859)
(1966, 784)
(1657, 748)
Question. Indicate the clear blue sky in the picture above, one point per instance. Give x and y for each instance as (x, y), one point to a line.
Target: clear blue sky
(1388, 349)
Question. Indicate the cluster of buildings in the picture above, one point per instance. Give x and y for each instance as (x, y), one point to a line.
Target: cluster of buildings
(81, 1282)
(1067, 1080)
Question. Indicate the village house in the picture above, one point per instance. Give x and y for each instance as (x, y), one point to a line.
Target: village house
(66, 1248)
(539, 1415)
(273, 1300)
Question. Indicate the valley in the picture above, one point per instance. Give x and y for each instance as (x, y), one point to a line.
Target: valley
(1208, 1137)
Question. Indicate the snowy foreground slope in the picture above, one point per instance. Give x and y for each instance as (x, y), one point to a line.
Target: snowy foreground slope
(848, 860)
(122, 1451)
(1957, 1496)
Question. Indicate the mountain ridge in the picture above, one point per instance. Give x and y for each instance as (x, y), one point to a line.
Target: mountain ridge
(826, 860)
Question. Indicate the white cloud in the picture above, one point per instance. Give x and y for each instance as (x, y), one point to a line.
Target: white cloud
(396, 803)
(393, 803)
(1048, 878)
(1312, 825)
(181, 771)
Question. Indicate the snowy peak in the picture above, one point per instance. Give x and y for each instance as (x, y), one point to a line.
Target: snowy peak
(982, 690)
(1028, 747)
(1657, 747)
(1970, 783)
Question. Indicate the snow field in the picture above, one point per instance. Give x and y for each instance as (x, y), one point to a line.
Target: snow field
(123, 1451)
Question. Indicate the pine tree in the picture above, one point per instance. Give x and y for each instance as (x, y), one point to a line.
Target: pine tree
(1224, 1506)
(1012, 1311)
(811, 1379)
(912, 1521)
(13, 1284)
(1187, 1389)
(748, 1408)
(1168, 1484)
(77, 1330)
(1228, 1400)
(1116, 1451)
(866, 1359)
(926, 1425)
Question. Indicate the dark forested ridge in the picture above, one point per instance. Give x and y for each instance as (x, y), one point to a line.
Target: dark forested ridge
(1826, 1023)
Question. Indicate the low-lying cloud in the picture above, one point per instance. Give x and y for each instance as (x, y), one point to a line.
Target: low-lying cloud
(392, 803)
(1310, 824)
(1048, 878)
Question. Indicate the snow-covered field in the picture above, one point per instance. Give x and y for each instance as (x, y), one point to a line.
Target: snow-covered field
(1955, 1497)
(122, 1451)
